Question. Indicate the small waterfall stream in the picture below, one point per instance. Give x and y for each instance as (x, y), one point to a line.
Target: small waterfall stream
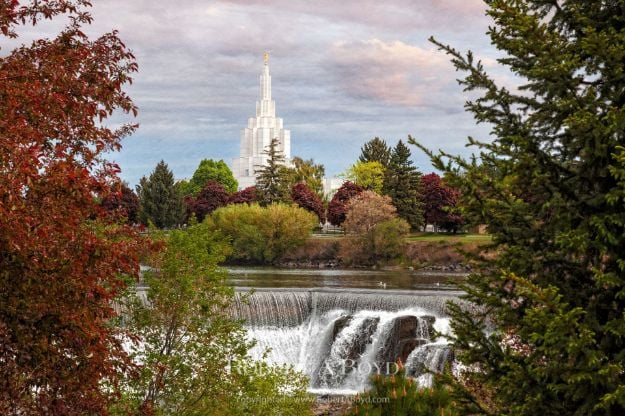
(339, 339)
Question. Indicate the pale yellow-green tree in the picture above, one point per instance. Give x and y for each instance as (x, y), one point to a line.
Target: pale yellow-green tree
(369, 175)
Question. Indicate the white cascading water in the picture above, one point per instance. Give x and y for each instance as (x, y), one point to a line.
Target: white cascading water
(339, 339)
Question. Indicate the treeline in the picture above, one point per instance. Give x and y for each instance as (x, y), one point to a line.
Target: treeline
(419, 199)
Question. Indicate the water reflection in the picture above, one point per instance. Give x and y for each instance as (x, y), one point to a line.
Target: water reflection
(265, 277)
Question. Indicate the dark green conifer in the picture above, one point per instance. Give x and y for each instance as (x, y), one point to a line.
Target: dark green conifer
(160, 199)
(402, 182)
(548, 337)
(375, 150)
(272, 180)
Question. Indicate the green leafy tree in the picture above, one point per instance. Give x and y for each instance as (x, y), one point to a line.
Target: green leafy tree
(306, 171)
(402, 182)
(160, 200)
(375, 150)
(264, 234)
(369, 175)
(210, 170)
(272, 182)
(193, 355)
(553, 298)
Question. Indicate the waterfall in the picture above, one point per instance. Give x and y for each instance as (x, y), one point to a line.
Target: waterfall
(340, 339)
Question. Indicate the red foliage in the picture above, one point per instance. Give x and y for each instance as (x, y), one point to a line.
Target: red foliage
(306, 198)
(438, 199)
(244, 196)
(211, 197)
(338, 205)
(60, 257)
(122, 202)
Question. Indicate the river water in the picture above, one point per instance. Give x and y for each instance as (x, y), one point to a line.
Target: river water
(340, 327)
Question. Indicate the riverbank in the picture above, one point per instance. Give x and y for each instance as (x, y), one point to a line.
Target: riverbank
(430, 254)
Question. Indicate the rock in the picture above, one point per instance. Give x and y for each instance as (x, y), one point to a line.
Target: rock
(404, 328)
(406, 346)
(340, 324)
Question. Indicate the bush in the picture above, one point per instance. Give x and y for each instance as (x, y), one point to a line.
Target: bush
(264, 234)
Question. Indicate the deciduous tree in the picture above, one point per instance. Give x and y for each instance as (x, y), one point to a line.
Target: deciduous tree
(440, 203)
(337, 206)
(369, 175)
(211, 197)
(244, 196)
(303, 196)
(374, 233)
(122, 202)
(306, 171)
(193, 354)
(61, 259)
(210, 170)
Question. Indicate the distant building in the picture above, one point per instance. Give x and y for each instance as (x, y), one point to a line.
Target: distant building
(331, 185)
(257, 136)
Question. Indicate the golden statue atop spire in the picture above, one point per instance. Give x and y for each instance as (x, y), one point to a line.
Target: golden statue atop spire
(266, 57)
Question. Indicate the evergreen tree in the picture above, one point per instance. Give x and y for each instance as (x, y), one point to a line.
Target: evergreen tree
(551, 187)
(272, 183)
(160, 199)
(402, 182)
(375, 150)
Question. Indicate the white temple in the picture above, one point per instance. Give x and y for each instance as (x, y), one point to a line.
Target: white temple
(258, 134)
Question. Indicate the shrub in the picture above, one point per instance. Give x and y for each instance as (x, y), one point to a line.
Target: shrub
(263, 234)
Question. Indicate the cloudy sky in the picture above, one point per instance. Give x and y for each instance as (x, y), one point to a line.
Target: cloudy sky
(342, 71)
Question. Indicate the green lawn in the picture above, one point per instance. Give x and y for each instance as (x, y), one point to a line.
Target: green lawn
(463, 238)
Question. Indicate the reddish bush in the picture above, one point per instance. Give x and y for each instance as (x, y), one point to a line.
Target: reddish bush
(306, 198)
(244, 196)
(338, 205)
(211, 197)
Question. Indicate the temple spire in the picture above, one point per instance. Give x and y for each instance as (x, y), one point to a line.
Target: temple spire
(260, 130)
(265, 81)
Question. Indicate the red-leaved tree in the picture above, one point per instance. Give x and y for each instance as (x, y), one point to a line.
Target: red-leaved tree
(439, 202)
(338, 205)
(244, 196)
(61, 260)
(211, 197)
(306, 198)
(122, 202)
